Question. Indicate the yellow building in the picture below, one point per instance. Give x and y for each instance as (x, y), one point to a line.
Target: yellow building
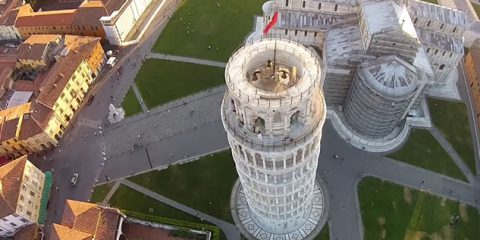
(21, 186)
(472, 67)
(57, 93)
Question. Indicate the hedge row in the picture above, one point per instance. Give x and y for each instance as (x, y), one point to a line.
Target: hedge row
(216, 232)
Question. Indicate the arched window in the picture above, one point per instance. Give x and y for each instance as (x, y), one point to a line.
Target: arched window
(259, 126)
(294, 119)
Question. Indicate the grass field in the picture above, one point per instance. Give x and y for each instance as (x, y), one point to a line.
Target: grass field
(393, 212)
(126, 198)
(451, 118)
(431, 1)
(100, 192)
(161, 81)
(476, 7)
(324, 234)
(130, 104)
(423, 150)
(208, 29)
(204, 184)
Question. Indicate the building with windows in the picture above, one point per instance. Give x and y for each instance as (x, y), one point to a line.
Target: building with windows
(472, 68)
(21, 186)
(352, 36)
(273, 113)
(82, 21)
(51, 77)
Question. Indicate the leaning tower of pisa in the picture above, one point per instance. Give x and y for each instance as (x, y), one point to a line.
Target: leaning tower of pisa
(273, 113)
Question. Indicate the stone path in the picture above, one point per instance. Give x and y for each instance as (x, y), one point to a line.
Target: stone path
(139, 97)
(111, 192)
(229, 229)
(186, 59)
(453, 154)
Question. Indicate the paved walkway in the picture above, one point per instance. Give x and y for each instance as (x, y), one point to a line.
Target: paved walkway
(186, 59)
(139, 97)
(453, 154)
(230, 230)
(111, 192)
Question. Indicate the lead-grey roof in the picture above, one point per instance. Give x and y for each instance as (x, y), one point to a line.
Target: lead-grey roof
(441, 41)
(310, 20)
(436, 12)
(385, 16)
(344, 44)
(391, 76)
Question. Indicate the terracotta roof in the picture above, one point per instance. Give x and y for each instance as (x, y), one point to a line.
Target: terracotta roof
(34, 52)
(23, 85)
(10, 182)
(28, 18)
(91, 218)
(29, 127)
(113, 5)
(60, 232)
(26, 233)
(89, 14)
(10, 18)
(9, 129)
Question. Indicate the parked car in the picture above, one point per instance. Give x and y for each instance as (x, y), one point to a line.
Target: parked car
(74, 179)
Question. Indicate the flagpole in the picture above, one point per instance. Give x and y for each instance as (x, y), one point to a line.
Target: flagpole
(274, 57)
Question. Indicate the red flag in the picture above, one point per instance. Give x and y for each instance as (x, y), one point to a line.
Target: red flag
(271, 23)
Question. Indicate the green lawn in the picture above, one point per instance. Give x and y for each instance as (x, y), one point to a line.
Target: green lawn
(197, 24)
(161, 81)
(477, 9)
(126, 198)
(100, 192)
(451, 118)
(324, 234)
(205, 184)
(130, 104)
(423, 150)
(431, 1)
(393, 212)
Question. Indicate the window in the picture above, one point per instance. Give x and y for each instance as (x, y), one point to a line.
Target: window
(32, 194)
(454, 29)
(296, 31)
(441, 26)
(415, 21)
(23, 220)
(286, 3)
(441, 67)
(303, 4)
(306, 33)
(320, 6)
(13, 224)
(286, 31)
(428, 24)
(29, 213)
(336, 7)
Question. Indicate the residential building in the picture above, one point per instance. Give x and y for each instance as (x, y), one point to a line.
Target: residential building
(21, 187)
(8, 31)
(53, 74)
(88, 221)
(472, 68)
(81, 21)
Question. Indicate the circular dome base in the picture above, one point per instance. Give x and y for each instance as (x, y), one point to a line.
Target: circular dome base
(250, 229)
